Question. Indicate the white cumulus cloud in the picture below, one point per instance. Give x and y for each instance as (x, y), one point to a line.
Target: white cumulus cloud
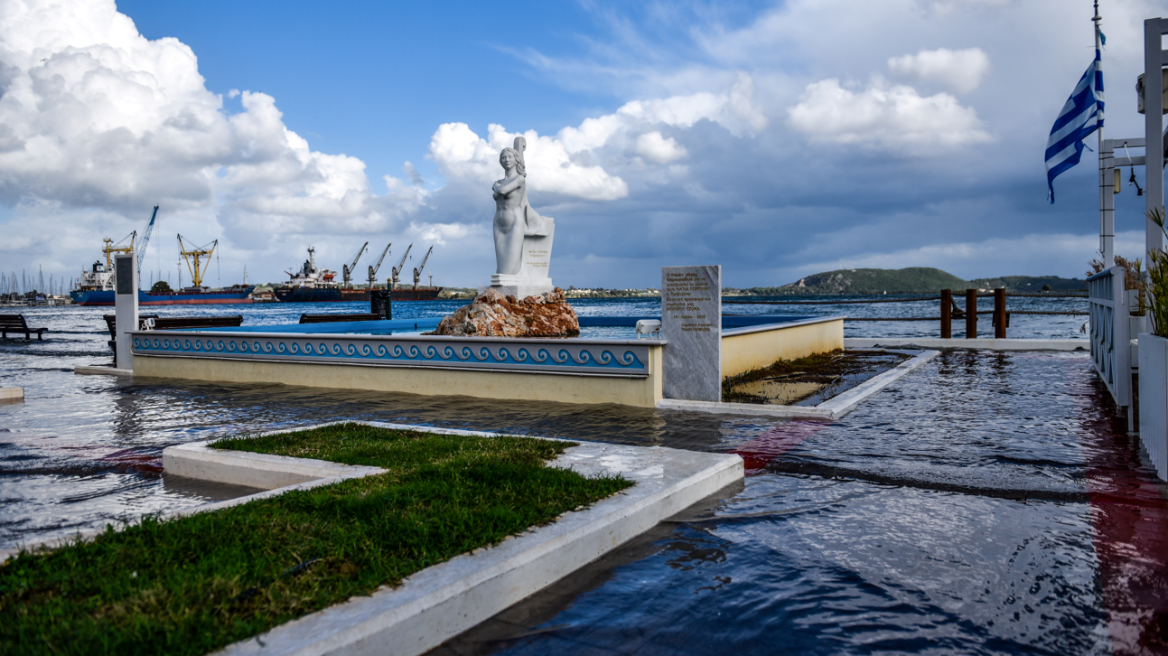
(960, 70)
(896, 117)
(945, 6)
(466, 158)
(439, 233)
(735, 110)
(97, 117)
(659, 149)
(566, 163)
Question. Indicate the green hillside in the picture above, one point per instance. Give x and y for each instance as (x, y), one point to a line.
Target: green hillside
(1032, 283)
(913, 280)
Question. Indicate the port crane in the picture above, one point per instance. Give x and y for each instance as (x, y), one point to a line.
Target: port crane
(111, 248)
(398, 269)
(193, 256)
(374, 267)
(418, 271)
(146, 240)
(348, 269)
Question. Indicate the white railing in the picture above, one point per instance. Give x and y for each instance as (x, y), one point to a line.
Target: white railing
(1110, 342)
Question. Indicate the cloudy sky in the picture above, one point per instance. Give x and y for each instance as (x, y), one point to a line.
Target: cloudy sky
(777, 139)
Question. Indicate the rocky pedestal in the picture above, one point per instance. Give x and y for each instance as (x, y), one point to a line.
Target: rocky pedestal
(492, 314)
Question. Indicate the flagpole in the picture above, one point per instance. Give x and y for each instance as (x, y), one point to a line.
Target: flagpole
(1106, 226)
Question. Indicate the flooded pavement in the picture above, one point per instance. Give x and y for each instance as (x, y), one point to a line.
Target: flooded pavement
(986, 503)
(812, 380)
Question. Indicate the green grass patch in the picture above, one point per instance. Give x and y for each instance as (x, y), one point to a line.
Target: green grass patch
(195, 584)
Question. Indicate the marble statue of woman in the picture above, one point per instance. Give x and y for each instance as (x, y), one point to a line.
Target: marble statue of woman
(514, 216)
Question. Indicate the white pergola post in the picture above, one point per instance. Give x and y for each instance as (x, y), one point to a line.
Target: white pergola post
(1107, 203)
(1154, 59)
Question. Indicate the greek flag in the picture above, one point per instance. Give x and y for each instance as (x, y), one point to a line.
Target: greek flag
(1082, 115)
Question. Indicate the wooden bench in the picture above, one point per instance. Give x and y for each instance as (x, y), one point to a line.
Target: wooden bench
(111, 323)
(334, 318)
(15, 323)
(173, 323)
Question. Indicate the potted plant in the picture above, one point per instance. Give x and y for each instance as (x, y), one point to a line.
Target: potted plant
(1153, 349)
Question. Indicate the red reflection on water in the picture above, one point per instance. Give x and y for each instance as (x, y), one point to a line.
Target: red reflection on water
(132, 459)
(757, 452)
(1130, 519)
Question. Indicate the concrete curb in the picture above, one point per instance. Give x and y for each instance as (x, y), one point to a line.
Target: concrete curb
(267, 472)
(750, 409)
(102, 371)
(846, 402)
(831, 409)
(988, 344)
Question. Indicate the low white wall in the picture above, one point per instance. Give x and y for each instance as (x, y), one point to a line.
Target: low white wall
(747, 349)
(1154, 401)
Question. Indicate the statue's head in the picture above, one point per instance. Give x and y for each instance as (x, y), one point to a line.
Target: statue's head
(516, 158)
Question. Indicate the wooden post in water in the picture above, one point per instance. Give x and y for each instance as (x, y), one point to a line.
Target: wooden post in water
(1000, 313)
(946, 314)
(971, 314)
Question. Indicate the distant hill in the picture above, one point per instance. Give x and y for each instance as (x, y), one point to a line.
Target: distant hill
(874, 281)
(1032, 283)
(913, 280)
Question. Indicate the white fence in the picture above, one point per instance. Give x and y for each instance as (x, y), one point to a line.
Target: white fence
(1110, 341)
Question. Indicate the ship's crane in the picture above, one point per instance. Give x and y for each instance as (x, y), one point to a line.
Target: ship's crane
(418, 271)
(146, 240)
(398, 269)
(110, 248)
(193, 256)
(347, 269)
(374, 267)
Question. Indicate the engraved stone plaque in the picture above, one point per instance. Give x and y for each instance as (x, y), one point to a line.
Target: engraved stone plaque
(125, 275)
(125, 307)
(691, 320)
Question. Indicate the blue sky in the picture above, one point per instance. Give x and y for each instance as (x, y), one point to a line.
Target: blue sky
(776, 139)
(373, 79)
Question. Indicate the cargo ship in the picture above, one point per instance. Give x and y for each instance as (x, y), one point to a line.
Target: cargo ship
(96, 286)
(414, 293)
(312, 284)
(406, 294)
(188, 296)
